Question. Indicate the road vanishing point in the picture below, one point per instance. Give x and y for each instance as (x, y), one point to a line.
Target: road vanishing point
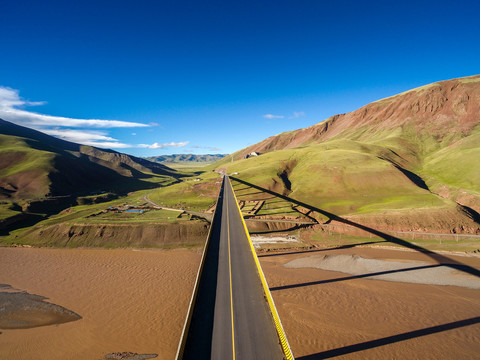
(231, 314)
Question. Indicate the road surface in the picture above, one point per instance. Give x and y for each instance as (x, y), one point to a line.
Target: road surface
(231, 318)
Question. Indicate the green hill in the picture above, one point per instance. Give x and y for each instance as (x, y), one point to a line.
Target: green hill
(35, 165)
(40, 175)
(407, 162)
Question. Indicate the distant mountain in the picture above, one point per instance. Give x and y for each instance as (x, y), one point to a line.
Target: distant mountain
(414, 156)
(186, 158)
(35, 165)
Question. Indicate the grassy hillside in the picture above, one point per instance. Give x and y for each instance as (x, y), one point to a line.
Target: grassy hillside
(197, 193)
(40, 175)
(35, 165)
(341, 176)
(412, 156)
(109, 225)
(405, 163)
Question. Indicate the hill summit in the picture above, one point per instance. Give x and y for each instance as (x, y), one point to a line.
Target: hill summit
(406, 161)
(437, 109)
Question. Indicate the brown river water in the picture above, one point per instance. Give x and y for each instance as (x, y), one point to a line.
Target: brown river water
(136, 301)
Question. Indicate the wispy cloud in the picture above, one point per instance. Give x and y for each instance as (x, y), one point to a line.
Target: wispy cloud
(271, 116)
(297, 114)
(164, 145)
(209, 148)
(87, 137)
(12, 108)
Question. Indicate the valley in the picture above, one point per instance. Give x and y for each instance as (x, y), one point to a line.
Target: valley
(396, 181)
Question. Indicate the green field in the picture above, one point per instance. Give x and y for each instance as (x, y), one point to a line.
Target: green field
(189, 194)
(342, 176)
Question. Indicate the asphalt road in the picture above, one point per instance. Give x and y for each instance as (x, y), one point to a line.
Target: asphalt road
(231, 318)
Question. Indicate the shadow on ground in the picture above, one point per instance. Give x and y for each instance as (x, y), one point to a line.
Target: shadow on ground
(441, 259)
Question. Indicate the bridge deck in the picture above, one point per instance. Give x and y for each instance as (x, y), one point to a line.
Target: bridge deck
(231, 318)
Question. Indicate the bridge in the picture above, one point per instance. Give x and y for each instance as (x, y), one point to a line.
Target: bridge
(232, 314)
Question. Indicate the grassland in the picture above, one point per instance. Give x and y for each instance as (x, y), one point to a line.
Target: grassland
(101, 225)
(197, 193)
(189, 166)
(148, 216)
(388, 179)
(462, 154)
(341, 176)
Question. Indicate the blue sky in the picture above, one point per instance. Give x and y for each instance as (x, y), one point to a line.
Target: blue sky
(160, 77)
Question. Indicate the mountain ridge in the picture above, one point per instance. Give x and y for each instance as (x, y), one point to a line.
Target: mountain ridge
(444, 100)
(386, 160)
(186, 158)
(36, 165)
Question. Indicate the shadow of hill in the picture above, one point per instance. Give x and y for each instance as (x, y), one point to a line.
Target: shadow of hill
(27, 221)
(442, 259)
(417, 180)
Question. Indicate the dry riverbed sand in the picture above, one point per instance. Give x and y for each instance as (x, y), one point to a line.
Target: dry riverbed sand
(135, 302)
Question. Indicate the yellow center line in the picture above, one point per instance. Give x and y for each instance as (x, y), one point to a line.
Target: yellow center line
(230, 273)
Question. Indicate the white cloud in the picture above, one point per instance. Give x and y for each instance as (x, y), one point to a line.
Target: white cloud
(297, 114)
(87, 137)
(110, 145)
(271, 116)
(79, 136)
(10, 109)
(164, 145)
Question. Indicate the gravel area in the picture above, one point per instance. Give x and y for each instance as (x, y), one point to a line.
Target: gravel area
(410, 271)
